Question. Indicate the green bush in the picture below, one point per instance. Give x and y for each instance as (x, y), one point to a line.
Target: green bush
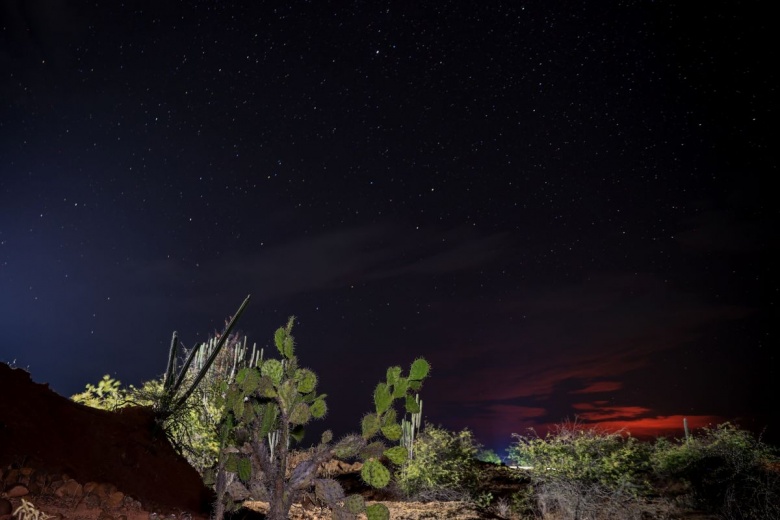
(443, 467)
(729, 471)
(580, 472)
(489, 456)
(587, 455)
(107, 395)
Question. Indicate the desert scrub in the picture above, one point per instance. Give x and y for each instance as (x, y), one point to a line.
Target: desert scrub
(581, 472)
(443, 468)
(585, 454)
(728, 470)
(108, 394)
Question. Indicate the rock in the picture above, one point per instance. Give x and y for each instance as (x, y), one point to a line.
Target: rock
(89, 487)
(16, 491)
(70, 488)
(104, 490)
(12, 477)
(237, 491)
(92, 501)
(5, 507)
(105, 516)
(115, 499)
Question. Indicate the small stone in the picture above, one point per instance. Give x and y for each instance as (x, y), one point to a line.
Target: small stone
(5, 507)
(89, 487)
(27, 472)
(70, 488)
(105, 516)
(17, 491)
(121, 517)
(92, 501)
(104, 490)
(115, 499)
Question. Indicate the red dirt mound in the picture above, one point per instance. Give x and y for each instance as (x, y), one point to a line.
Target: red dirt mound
(43, 430)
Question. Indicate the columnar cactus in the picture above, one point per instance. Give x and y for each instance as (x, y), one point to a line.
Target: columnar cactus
(410, 428)
(275, 400)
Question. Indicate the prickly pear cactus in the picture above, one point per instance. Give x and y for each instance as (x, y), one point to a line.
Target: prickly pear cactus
(273, 401)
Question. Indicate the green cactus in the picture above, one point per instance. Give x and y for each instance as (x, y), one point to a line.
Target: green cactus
(377, 512)
(355, 504)
(318, 408)
(370, 425)
(410, 428)
(273, 370)
(375, 474)
(272, 401)
(307, 380)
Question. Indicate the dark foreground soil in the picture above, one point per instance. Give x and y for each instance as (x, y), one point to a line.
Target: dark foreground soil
(56, 437)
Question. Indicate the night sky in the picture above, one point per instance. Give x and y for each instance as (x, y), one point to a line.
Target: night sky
(559, 205)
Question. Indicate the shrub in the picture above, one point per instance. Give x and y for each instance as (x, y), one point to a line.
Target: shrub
(488, 456)
(107, 395)
(729, 471)
(587, 455)
(581, 472)
(443, 467)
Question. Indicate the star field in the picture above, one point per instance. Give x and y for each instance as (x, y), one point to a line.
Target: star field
(559, 206)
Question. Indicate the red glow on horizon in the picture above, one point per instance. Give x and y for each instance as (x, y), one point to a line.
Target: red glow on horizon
(659, 426)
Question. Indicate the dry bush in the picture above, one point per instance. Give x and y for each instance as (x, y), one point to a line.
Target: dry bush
(571, 499)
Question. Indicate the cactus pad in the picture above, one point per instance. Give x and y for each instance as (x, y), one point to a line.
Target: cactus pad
(393, 373)
(348, 447)
(369, 425)
(327, 436)
(273, 369)
(377, 512)
(300, 414)
(397, 454)
(318, 408)
(244, 469)
(400, 387)
(392, 431)
(373, 450)
(382, 398)
(419, 370)
(355, 504)
(375, 474)
(307, 380)
(328, 490)
(248, 380)
(412, 405)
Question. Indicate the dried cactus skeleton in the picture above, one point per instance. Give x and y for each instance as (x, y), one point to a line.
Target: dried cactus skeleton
(27, 511)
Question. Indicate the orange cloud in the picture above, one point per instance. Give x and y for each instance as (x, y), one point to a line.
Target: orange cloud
(661, 425)
(599, 387)
(592, 413)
